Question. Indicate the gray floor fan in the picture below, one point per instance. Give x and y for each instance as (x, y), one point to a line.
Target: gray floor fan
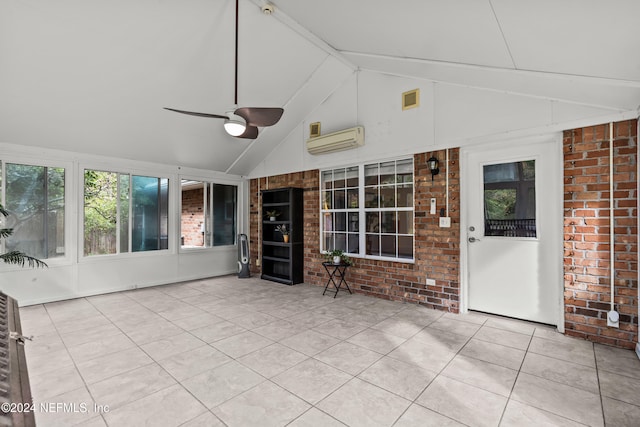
(243, 256)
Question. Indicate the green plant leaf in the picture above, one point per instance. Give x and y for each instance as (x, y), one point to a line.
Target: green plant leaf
(18, 258)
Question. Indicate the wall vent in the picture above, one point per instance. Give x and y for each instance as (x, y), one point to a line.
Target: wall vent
(411, 99)
(314, 130)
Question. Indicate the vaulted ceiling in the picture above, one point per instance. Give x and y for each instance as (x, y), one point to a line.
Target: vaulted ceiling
(94, 76)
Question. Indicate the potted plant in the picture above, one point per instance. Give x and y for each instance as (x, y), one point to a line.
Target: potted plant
(17, 257)
(337, 256)
(272, 215)
(285, 233)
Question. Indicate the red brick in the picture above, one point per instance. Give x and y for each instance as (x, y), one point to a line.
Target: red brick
(586, 187)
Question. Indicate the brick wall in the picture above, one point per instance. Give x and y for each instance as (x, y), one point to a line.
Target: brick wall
(437, 252)
(587, 233)
(309, 182)
(192, 217)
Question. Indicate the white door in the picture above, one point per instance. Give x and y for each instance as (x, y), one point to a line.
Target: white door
(513, 234)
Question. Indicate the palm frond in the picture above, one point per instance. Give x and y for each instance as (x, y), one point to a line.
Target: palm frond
(5, 232)
(3, 211)
(18, 258)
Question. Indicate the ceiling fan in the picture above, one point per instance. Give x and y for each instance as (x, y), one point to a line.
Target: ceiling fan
(244, 121)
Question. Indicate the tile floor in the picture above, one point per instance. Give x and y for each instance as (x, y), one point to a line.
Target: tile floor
(246, 352)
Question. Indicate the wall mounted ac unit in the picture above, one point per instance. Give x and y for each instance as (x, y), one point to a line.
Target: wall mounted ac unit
(336, 141)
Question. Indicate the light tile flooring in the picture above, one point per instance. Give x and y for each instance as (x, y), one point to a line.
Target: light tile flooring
(246, 352)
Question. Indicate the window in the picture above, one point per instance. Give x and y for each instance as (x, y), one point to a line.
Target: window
(340, 209)
(367, 210)
(510, 199)
(35, 199)
(209, 214)
(124, 213)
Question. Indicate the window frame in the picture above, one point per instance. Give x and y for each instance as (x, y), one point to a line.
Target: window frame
(208, 205)
(69, 206)
(363, 210)
(82, 168)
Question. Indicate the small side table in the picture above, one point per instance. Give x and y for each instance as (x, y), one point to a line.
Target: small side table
(336, 271)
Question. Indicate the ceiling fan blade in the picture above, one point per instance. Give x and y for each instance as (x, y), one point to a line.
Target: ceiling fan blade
(250, 133)
(256, 116)
(192, 113)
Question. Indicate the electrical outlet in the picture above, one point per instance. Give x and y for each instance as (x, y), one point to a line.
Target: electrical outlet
(445, 221)
(431, 282)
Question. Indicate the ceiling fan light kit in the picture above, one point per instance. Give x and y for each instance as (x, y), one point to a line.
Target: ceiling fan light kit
(235, 125)
(244, 121)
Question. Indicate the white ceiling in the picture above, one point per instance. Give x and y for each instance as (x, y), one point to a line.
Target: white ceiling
(93, 76)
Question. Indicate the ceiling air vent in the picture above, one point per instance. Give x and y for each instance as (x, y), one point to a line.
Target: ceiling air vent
(411, 99)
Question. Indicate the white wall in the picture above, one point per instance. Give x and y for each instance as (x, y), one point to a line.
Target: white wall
(75, 275)
(449, 115)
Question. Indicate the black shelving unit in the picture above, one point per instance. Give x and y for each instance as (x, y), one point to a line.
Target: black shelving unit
(282, 262)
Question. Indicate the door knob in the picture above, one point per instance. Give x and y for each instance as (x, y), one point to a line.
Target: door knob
(473, 239)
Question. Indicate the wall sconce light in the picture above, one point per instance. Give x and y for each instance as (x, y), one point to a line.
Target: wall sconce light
(433, 164)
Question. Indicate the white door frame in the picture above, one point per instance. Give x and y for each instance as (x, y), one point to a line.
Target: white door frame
(465, 181)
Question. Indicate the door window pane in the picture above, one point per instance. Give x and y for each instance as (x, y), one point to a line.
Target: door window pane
(510, 199)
